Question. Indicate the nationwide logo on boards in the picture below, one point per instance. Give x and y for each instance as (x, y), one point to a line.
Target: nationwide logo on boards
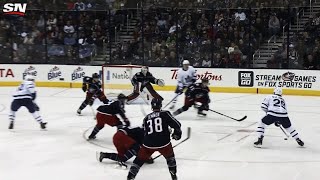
(29, 71)
(78, 74)
(209, 75)
(54, 73)
(114, 75)
(285, 80)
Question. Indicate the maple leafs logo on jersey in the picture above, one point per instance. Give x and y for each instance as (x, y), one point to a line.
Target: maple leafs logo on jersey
(288, 76)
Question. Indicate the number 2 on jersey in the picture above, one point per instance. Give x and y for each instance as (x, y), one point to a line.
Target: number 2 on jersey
(156, 127)
(277, 103)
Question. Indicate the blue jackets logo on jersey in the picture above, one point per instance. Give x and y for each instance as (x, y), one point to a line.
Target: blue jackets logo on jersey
(78, 74)
(54, 73)
(29, 71)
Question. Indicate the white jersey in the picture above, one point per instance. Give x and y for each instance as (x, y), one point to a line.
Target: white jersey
(275, 105)
(186, 78)
(25, 90)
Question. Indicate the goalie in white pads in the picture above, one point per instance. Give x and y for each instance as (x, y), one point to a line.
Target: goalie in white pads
(276, 109)
(142, 80)
(25, 96)
(186, 77)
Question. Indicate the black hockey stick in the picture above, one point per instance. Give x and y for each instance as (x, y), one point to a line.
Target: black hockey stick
(245, 117)
(185, 139)
(284, 133)
(171, 101)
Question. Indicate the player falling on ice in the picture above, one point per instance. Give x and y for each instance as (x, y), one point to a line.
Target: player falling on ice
(276, 109)
(196, 93)
(157, 138)
(25, 96)
(107, 114)
(142, 80)
(92, 86)
(186, 76)
(127, 142)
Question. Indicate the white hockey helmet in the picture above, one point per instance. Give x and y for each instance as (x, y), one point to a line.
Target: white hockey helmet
(277, 91)
(29, 77)
(185, 62)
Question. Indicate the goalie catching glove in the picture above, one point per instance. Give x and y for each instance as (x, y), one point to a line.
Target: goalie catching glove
(160, 82)
(176, 135)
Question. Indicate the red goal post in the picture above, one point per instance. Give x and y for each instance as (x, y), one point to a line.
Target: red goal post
(117, 78)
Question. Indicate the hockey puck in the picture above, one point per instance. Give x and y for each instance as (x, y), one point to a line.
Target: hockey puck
(285, 138)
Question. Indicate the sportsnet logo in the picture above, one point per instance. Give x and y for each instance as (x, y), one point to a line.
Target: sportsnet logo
(77, 74)
(54, 73)
(15, 9)
(29, 71)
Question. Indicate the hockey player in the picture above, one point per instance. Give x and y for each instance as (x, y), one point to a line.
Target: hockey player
(186, 77)
(25, 96)
(92, 86)
(142, 80)
(127, 142)
(157, 138)
(107, 114)
(276, 109)
(198, 92)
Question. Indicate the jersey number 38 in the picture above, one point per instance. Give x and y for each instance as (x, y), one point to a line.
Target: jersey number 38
(155, 125)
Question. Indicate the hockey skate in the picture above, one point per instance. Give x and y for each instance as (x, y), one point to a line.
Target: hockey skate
(101, 156)
(258, 143)
(43, 125)
(201, 113)
(173, 176)
(91, 137)
(301, 143)
(11, 125)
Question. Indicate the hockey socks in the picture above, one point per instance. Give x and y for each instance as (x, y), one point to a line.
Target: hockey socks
(134, 169)
(95, 132)
(172, 166)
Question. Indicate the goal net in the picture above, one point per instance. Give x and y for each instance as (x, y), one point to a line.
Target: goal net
(117, 79)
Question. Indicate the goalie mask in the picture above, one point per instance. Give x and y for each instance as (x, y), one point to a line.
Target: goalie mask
(145, 70)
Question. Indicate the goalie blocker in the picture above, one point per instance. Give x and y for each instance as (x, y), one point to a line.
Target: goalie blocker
(143, 80)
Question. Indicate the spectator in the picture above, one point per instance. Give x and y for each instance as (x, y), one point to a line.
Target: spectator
(310, 63)
(68, 28)
(240, 15)
(52, 21)
(79, 6)
(206, 62)
(274, 25)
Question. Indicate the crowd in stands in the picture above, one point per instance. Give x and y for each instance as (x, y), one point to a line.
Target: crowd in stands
(224, 38)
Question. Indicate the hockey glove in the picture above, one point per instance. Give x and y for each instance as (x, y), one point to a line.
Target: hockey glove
(180, 90)
(126, 122)
(176, 135)
(84, 87)
(160, 82)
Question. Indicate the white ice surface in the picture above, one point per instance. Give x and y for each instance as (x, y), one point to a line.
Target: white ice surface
(219, 148)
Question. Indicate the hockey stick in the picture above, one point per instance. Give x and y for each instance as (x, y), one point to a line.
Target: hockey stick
(171, 101)
(188, 137)
(245, 117)
(284, 133)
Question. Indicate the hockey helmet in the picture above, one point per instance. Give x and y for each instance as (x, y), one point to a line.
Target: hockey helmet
(95, 76)
(277, 91)
(29, 78)
(144, 70)
(156, 104)
(185, 64)
(205, 81)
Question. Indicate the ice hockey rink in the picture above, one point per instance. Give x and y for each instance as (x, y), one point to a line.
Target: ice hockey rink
(219, 148)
